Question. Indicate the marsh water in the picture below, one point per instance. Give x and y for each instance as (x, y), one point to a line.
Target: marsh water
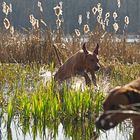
(66, 131)
(62, 129)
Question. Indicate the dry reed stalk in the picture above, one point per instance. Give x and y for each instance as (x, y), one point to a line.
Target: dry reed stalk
(38, 47)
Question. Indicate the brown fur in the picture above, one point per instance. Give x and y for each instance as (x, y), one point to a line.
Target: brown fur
(126, 95)
(80, 63)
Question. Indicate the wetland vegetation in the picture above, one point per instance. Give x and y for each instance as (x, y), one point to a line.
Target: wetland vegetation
(32, 103)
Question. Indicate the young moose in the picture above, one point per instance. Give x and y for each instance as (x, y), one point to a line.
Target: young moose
(80, 63)
(123, 102)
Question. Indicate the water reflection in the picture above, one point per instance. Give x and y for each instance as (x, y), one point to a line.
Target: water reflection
(122, 132)
(80, 131)
(0, 129)
(59, 130)
(9, 134)
(63, 130)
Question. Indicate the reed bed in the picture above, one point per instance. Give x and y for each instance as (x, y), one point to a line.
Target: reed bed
(31, 47)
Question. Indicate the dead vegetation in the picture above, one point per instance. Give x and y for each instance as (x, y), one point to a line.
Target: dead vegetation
(37, 46)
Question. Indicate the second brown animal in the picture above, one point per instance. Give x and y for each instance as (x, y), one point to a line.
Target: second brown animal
(81, 63)
(123, 102)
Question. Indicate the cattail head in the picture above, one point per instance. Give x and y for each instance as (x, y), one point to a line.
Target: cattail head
(88, 14)
(86, 28)
(80, 19)
(6, 8)
(94, 10)
(118, 3)
(99, 9)
(99, 5)
(115, 15)
(6, 23)
(107, 22)
(61, 4)
(58, 10)
(99, 19)
(34, 21)
(116, 27)
(107, 15)
(126, 20)
(12, 30)
(58, 22)
(77, 32)
(39, 4)
(10, 8)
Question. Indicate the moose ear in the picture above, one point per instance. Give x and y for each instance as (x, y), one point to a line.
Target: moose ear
(84, 48)
(96, 49)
